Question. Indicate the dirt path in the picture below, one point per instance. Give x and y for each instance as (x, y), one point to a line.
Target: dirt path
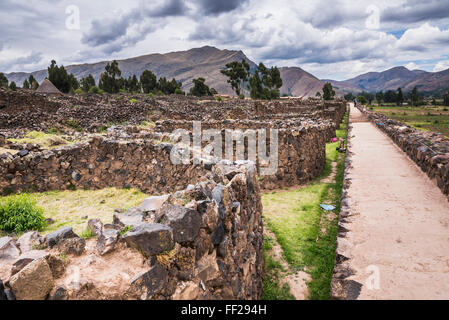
(398, 239)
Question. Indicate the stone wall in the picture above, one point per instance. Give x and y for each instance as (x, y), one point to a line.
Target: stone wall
(97, 164)
(205, 242)
(104, 162)
(429, 150)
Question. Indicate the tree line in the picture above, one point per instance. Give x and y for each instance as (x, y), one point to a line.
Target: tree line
(413, 98)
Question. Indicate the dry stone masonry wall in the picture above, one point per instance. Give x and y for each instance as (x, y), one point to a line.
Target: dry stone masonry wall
(205, 242)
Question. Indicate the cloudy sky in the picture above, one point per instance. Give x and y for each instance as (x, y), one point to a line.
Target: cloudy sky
(335, 39)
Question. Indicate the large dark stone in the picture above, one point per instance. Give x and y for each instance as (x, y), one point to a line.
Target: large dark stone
(150, 238)
(2, 291)
(54, 238)
(184, 222)
(149, 283)
(218, 234)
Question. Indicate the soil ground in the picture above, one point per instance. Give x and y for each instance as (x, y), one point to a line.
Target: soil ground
(399, 230)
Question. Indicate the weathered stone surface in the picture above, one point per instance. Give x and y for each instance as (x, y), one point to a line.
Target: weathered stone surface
(96, 226)
(8, 249)
(33, 282)
(184, 222)
(209, 211)
(54, 238)
(60, 293)
(153, 203)
(107, 240)
(186, 291)
(132, 217)
(2, 291)
(150, 238)
(30, 241)
(26, 258)
(149, 283)
(56, 264)
(73, 246)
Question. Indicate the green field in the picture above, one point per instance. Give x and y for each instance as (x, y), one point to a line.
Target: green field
(425, 118)
(305, 233)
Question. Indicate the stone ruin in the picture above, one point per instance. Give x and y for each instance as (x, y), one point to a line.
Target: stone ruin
(200, 234)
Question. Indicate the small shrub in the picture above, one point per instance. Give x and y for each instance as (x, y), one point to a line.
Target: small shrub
(127, 228)
(87, 233)
(242, 96)
(133, 100)
(79, 91)
(96, 90)
(20, 213)
(151, 94)
(179, 91)
(219, 99)
(74, 124)
(53, 130)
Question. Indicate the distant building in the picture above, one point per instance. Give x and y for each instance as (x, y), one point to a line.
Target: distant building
(46, 87)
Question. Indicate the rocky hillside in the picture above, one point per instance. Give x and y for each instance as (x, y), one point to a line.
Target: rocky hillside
(299, 83)
(183, 65)
(437, 82)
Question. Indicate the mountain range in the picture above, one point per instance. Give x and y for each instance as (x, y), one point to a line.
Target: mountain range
(207, 62)
(426, 82)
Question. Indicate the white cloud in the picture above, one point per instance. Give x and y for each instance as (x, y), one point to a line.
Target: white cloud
(327, 38)
(441, 66)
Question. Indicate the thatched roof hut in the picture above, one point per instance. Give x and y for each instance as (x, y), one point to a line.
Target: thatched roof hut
(47, 87)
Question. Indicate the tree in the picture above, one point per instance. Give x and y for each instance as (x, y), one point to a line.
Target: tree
(362, 99)
(87, 83)
(110, 80)
(390, 96)
(148, 81)
(238, 73)
(379, 97)
(59, 77)
(3, 80)
(369, 96)
(399, 97)
(132, 84)
(414, 96)
(328, 91)
(74, 84)
(265, 83)
(26, 84)
(348, 97)
(446, 99)
(200, 88)
(13, 86)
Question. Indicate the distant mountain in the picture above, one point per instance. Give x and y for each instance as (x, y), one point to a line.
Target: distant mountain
(426, 82)
(299, 83)
(203, 62)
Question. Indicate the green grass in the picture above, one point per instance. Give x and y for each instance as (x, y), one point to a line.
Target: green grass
(306, 233)
(425, 118)
(45, 140)
(273, 290)
(67, 208)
